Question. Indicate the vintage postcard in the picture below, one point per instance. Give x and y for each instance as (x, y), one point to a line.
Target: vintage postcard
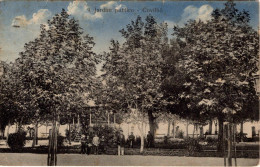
(129, 83)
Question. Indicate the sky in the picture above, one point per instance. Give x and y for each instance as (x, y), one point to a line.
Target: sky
(20, 20)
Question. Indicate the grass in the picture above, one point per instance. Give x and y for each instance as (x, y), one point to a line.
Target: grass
(136, 151)
(244, 150)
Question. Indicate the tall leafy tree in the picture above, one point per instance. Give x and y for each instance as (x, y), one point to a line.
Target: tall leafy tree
(57, 66)
(219, 59)
(132, 71)
(8, 105)
(56, 69)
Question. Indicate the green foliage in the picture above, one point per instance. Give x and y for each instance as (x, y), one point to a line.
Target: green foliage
(109, 132)
(219, 58)
(46, 69)
(180, 134)
(192, 145)
(9, 108)
(138, 141)
(60, 140)
(132, 70)
(17, 140)
(211, 141)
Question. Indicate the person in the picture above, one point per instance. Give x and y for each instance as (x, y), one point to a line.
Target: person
(95, 143)
(88, 144)
(206, 133)
(149, 139)
(102, 144)
(121, 143)
(83, 145)
(131, 140)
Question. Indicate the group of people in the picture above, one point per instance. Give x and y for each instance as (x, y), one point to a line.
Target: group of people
(121, 142)
(99, 143)
(96, 143)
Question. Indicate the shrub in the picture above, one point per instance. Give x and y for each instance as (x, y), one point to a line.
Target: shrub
(192, 145)
(73, 133)
(212, 141)
(180, 134)
(110, 133)
(165, 139)
(60, 140)
(138, 141)
(17, 140)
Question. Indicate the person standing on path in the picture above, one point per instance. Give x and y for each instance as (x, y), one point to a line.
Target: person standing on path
(83, 145)
(149, 139)
(95, 143)
(88, 144)
(121, 143)
(102, 144)
(131, 139)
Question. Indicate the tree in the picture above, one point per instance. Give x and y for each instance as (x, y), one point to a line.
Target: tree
(6, 96)
(9, 104)
(169, 118)
(56, 69)
(219, 59)
(132, 71)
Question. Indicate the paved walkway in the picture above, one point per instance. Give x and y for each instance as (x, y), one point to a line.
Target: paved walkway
(28, 159)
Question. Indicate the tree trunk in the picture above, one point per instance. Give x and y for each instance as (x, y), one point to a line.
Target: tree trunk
(46, 129)
(216, 127)
(234, 141)
(50, 148)
(151, 125)
(210, 127)
(173, 129)
(241, 131)
(142, 143)
(201, 132)
(220, 134)
(229, 144)
(224, 141)
(2, 130)
(20, 124)
(194, 127)
(187, 129)
(69, 134)
(3, 133)
(78, 124)
(169, 128)
(52, 154)
(35, 137)
(142, 139)
(8, 128)
(142, 129)
(196, 130)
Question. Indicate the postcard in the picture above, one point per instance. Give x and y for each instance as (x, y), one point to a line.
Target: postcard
(129, 83)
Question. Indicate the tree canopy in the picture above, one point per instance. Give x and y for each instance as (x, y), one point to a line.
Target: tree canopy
(56, 72)
(219, 59)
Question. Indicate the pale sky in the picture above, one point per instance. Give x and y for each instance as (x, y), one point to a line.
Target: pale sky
(20, 20)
